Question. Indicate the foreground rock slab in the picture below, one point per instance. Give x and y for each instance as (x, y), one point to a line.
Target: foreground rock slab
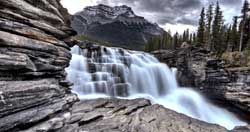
(114, 115)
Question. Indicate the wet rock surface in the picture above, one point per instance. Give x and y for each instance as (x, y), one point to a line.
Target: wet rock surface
(227, 86)
(190, 62)
(114, 115)
(241, 129)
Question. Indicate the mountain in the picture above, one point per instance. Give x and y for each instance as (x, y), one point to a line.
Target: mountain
(118, 25)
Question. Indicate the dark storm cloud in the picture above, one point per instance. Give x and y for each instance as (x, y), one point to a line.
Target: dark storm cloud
(174, 11)
(165, 11)
(187, 21)
(228, 2)
(186, 4)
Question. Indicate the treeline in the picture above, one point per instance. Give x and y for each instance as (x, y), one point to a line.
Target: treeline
(167, 41)
(212, 34)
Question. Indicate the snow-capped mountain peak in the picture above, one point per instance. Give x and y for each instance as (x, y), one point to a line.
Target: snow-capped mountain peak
(109, 12)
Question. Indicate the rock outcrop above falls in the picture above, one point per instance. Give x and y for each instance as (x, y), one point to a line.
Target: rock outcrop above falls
(222, 84)
(33, 55)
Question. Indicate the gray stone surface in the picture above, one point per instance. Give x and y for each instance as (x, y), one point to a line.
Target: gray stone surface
(210, 75)
(114, 115)
(33, 55)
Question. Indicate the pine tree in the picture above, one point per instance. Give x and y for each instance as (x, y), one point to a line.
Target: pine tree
(175, 40)
(248, 45)
(209, 19)
(180, 41)
(234, 35)
(160, 42)
(150, 45)
(169, 40)
(216, 29)
(224, 39)
(194, 39)
(244, 11)
(191, 39)
(229, 39)
(201, 29)
(186, 37)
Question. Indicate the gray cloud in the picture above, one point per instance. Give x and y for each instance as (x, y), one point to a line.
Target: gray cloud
(229, 2)
(175, 11)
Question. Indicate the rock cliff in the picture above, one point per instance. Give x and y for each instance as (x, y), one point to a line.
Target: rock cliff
(33, 55)
(118, 25)
(224, 85)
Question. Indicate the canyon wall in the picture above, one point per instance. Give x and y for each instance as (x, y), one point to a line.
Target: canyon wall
(224, 85)
(33, 54)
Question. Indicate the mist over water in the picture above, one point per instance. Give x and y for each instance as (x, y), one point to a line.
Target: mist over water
(127, 74)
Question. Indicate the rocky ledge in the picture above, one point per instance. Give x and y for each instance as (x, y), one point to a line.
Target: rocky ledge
(33, 54)
(114, 115)
(224, 85)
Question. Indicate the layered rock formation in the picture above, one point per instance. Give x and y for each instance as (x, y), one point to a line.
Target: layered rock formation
(33, 55)
(224, 85)
(118, 25)
(113, 115)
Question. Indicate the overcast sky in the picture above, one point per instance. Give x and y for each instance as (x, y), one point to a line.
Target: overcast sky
(176, 15)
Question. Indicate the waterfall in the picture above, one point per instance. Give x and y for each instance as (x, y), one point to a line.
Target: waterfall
(115, 72)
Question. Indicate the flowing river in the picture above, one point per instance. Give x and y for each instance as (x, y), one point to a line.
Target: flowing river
(115, 72)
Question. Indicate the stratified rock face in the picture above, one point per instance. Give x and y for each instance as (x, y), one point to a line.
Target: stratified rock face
(33, 55)
(29, 36)
(226, 86)
(118, 25)
(114, 115)
(190, 62)
(241, 129)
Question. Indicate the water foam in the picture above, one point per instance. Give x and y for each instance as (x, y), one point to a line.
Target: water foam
(130, 74)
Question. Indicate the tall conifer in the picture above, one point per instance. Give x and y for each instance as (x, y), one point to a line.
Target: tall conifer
(201, 29)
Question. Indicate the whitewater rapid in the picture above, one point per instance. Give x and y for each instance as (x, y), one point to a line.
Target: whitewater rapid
(115, 72)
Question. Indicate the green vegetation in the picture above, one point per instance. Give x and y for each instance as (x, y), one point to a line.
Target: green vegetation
(201, 29)
(212, 34)
(226, 38)
(237, 59)
(101, 42)
(167, 41)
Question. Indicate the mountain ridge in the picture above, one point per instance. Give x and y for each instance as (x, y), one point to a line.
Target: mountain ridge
(118, 25)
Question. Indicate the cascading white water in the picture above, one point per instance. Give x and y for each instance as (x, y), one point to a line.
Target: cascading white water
(127, 74)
